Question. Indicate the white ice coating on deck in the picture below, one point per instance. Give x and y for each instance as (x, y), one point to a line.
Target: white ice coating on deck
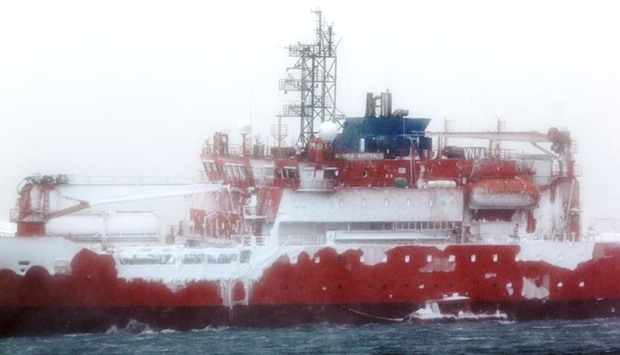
(47, 251)
(564, 255)
(177, 273)
(19, 254)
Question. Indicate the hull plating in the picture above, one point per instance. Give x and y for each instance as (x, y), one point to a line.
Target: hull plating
(326, 285)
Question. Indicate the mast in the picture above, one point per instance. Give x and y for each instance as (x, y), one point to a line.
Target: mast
(314, 76)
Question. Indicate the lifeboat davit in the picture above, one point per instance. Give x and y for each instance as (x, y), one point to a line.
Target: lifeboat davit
(502, 194)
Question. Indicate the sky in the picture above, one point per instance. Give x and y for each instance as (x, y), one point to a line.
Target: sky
(133, 88)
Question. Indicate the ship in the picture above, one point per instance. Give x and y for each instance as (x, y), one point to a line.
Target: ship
(364, 219)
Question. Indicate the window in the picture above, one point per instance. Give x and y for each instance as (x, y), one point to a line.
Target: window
(209, 166)
(307, 173)
(330, 173)
(289, 173)
(194, 259)
(258, 172)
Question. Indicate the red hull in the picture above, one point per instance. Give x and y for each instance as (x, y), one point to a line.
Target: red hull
(325, 287)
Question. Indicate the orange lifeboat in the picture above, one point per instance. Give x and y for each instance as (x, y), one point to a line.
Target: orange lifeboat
(502, 194)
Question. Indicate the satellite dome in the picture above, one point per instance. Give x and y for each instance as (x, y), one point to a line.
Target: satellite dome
(328, 130)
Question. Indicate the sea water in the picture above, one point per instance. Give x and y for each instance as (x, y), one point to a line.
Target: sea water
(493, 337)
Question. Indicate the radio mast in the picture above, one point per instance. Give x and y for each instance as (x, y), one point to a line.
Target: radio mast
(314, 76)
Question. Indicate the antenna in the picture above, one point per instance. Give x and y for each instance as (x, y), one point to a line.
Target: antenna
(315, 78)
(279, 131)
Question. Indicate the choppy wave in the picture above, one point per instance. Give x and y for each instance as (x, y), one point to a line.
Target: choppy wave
(132, 327)
(210, 329)
(588, 336)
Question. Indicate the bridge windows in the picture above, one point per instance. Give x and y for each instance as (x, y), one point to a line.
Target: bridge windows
(210, 166)
(263, 172)
(288, 173)
(313, 179)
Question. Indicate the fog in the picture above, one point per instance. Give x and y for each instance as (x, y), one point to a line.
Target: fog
(132, 88)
